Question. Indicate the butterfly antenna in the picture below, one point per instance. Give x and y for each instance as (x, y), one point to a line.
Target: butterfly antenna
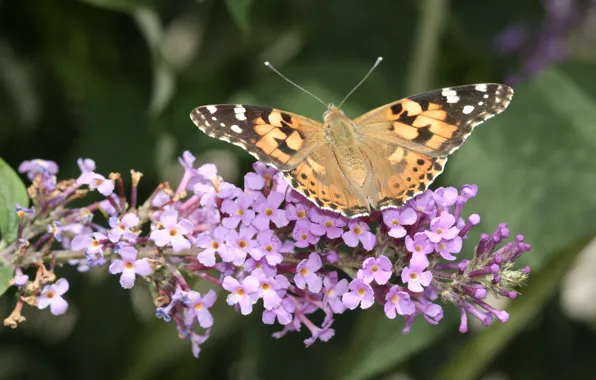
(362, 81)
(294, 84)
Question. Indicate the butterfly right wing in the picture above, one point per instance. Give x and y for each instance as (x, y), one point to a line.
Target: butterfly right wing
(278, 138)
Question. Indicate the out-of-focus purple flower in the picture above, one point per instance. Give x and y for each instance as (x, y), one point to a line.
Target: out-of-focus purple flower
(442, 228)
(398, 302)
(269, 211)
(22, 211)
(239, 211)
(419, 243)
(445, 196)
(240, 243)
(122, 228)
(359, 231)
(243, 294)
(259, 268)
(129, 266)
(171, 231)
(395, 219)
(283, 313)
(360, 293)
(327, 223)
(268, 247)
(334, 290)
(196, 341)
(92, 244)
(97, 182)
(306, 273)
(86, 165)
(415, 275)
(423, 203)
(198, 308)
(56, 229)
(51, 295)
(37, 166)
(378, 269)
(20, 278)
(303, 235)
(213, 244)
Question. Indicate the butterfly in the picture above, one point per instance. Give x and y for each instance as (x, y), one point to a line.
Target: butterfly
(355, 166)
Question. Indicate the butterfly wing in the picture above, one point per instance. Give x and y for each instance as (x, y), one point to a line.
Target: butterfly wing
(408, 141)
(435, 123)
(278, 138)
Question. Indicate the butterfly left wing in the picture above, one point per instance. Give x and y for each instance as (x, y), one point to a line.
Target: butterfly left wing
(278, 138)
(435, 123)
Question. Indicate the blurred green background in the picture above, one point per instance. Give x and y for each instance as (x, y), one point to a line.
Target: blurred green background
(115, 80)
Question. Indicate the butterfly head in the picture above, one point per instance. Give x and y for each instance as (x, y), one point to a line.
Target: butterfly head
(337, 124)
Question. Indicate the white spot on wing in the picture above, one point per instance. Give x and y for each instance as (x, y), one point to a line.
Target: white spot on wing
(222, 124)
(485, 96)
(212, 109)
(480, 103)
(481, 87)
(213, 118)
(236, 128)
(241, 116)
(239, 110)
(468, 109)
(447, 92)
(452, 98)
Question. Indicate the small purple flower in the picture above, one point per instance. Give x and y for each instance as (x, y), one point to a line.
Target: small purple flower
(122, 228)
(92, 244)
(129, 266)
(20, 278)
(414, 275)
(239, 211)
(442, 228)
(359, 232)
(424, 203)
(56, 229)
(283, 313)
(51, 296)
(196, 340)
(303, 236)
(445, 197)
(239, 244)
(34, 167)
(445, 248)
(306, 273)
(211, 245)
(379, 269)
(97, 182)
(259, 268)
(198, 308)
(86, 165)
(327, 223)
(398, 302)
(361, 294)
(242, 294)
(334, 290)
(172, 231)
(298, 212)
(266, 172)
(269, 211)
(419, 244)
(268, 247)
(395, 219)
(270, 288)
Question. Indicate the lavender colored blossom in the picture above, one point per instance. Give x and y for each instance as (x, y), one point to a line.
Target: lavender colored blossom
(377, 269)
(269, 247)
(283, 313)
(303, 236)
(306, 273)
(269, 211)
(396, 219)
(130, 267)
(239, 244)
(51, 296)
(398, 301)
(327, 223)
(359, 232)
(361, 294)
(86, 165)
(415, 275)
(271, 290)
(239, 211)
(97, 182)
(419, 244)
(445, 197)
(212, 244)
(198, 308)
(442, 228)
(34, 167)
(334, 291)
(123, 228)
(243, 294)
(171, 231)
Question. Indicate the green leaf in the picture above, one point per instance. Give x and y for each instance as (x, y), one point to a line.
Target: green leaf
(6, 274)
(12, 191)
(119, 5)
(470, 361)
(240, 12)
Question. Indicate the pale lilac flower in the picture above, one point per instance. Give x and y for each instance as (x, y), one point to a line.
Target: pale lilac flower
(442, 228)
(303, 236)
(299, 211)
(240, 243)
(361, 294)
(171, 231)
(97, 182)
(34, 167)
(198, 308)
(268, 247)
(306, 273)
(122, 227)
(51, 296)
(270, 289)
(259, 268)
(327, 223)
(266, 172)
(20, 278)
(419, 244)
(269, 211)
(424, 203)
(334, 290)
(359, 232)
(86, 165)
(398, 302)
(129, 266)
(378, 269)
(242, 294)
(212, 244)
(445, 197)
(283, 313)
(395, 219)
(446, 247)
(239, 211)
(56, 229)
(196, 340)
(92, 244)
(415, 275)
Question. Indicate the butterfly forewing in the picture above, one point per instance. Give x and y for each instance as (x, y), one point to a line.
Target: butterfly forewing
(278, 138)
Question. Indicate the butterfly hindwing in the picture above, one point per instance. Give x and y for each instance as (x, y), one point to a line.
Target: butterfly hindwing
(436, 123)
(278, 138)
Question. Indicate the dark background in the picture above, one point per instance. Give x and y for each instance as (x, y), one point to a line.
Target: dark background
(115, 80)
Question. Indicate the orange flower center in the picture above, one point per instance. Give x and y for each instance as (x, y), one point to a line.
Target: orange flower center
(361, 292)
(418, 248)
(395, 298)
(266, 286)
(302, 214)
(413, 276)
(242, 244)
(304, 271)
(395, 222)
(442, 246)
(121, 226)
(269, 248)
(374, 269)
(97, 182)
(328, 224)
(50, 294)
(357, 230)
(268, 212)
(128, 265)
(439, 230)
(95, 244)
(198, 306)
(240, 292)
(303, 236)
(215, 245)
(173, 232)
(240, 212)
(330, 293)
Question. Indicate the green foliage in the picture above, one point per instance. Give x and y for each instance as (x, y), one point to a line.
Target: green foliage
(12, 191)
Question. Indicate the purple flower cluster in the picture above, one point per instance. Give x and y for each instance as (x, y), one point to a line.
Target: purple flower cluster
(268, 249)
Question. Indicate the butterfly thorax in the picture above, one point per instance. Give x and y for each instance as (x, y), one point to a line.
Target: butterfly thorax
(338, 127)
